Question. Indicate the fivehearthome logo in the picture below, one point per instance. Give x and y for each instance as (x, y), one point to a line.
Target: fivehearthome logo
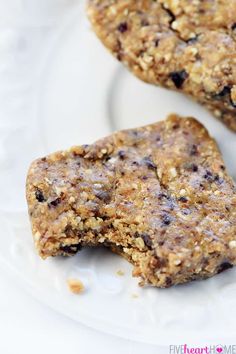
(208, 349)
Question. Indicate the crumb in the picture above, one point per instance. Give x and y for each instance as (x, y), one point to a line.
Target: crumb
(120, 273)
(135, 296)
(76, 286)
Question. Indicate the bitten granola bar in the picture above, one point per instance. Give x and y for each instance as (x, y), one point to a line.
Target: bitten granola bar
(189, 46)
(157, 195)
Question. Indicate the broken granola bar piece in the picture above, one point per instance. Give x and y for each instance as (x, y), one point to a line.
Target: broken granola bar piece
(189, 46)
(159, 196)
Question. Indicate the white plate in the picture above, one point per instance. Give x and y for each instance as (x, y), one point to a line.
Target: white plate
(71, 91)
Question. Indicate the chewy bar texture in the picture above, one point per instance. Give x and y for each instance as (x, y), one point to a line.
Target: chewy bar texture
(157, 195)
(189, 46)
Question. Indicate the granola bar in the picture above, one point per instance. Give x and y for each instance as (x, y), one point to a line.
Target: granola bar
(158, 195)
(189, 46)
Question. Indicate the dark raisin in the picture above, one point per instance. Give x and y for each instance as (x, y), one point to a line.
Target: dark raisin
(183, 199)
(226, 91)
(105, 196)
(39, 196)
(166, 220)
(193, 150)
(121, 154)
(144, 178)
(144, 23)
(119, 56)
(175, 126)
(94, 207)
(224, 266)
(209, 176)
(186, 211)
(168, 282)
(194, 167)
(157, 42)
(123, 27)
(54, 203)
(208, 173)
(135, 163)
(168, 200)
(69, 231)
(162, 195)
(178, 78)
(218, 179)
(147, 240)
(233, 27)
(71, 249)
(149, 163)
(222, 167)
(160, 262)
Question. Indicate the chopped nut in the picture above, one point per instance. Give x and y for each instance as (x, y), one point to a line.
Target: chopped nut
(37, 236)
(232, 244)
(173, 172)
(177, 262)
(139, 242)
(76, 286)
(182, 192)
